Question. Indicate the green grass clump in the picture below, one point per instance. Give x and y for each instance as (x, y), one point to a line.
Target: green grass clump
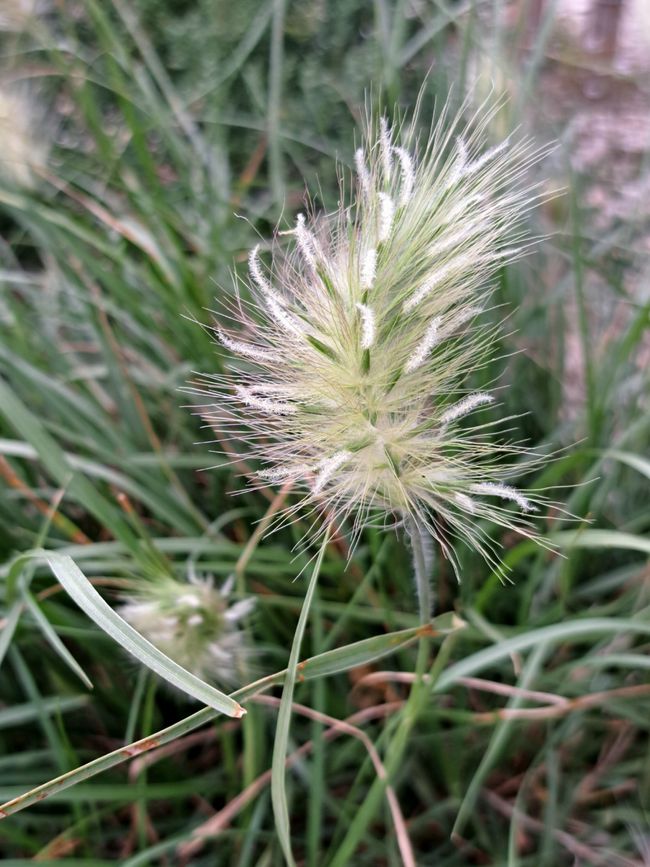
(168, 124)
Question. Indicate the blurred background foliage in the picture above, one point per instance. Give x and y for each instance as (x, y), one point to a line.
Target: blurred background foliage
(143, 147)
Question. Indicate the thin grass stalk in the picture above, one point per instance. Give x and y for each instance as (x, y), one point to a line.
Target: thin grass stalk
(417, 699)
(280, 747)
(421, 570)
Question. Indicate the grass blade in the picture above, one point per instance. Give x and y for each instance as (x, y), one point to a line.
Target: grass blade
(600, 539)
(497, 741)
(570, 630)
(53, 639)
(22, 714)
(278, 772)
(309, 668)
(7, 633)
(635, 461)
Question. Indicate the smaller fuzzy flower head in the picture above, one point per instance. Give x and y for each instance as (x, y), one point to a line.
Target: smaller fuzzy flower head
(351, 370)
(16, 15)
(23, 149)
(194, 624)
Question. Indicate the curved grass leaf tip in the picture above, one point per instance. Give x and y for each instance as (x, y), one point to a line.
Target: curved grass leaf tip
(353, 358)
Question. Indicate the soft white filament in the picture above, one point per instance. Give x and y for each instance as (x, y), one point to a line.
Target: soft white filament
(285, 320)
(367, 325)
(455, 239)
(307, 243)
(281, 474)
(195, 620)
(489, 155)
(432, 281)
(246, 349)
(509, 252)
(273, 388)
(465, 406)
(465, 502)
(238, 610)
(408, 174)
(328, 467)
(385, 147)
(190, 599)
(463, 316)
(460, 165)
(368, 269)
(386, 214)
(362, 172)
(259, 278)
(256, 272)
(506, 492)
(424, 347)
(463, 155)
(275, 407)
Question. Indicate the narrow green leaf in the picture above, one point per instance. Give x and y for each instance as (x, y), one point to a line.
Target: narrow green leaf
(370, 649)
(278, 771)
(497, 741)
(331, 662)
(321, 347)
(632, 460)
(88, 599)
(594, 538)
(21, 714)
(56, 464)
(7, 633)
(53, 639)
(571, 630)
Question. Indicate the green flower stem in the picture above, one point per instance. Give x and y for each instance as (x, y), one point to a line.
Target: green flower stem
(421, 569)
(416, 703)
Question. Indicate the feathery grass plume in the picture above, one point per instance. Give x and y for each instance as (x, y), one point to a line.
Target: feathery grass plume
(24, 145)
(17, 14)
(194, 624)
(355, 350)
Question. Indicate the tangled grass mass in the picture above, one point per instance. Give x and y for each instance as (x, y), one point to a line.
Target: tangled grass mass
(402, 617)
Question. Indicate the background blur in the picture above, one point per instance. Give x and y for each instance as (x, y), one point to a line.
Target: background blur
(143, 144)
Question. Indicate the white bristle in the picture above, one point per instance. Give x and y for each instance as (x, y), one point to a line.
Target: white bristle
(362, 172)
(367, 325)
(506, 492)
(368, 269)
(386, 215)
(385, 147)
(465, 406)
(407, 175)
(424, 347)
(275, 407)
(328, 467)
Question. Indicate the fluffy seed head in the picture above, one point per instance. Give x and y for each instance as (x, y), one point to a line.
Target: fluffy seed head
(24, 144)
(363, 401)
(194, 624)
(16, 15)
